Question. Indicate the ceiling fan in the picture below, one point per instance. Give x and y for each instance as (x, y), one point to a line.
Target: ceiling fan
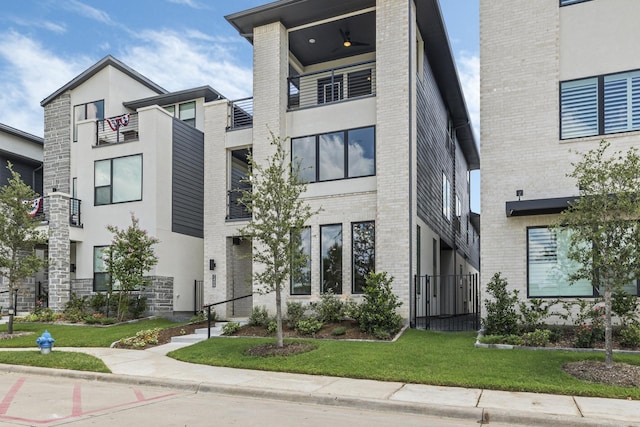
(347, 42)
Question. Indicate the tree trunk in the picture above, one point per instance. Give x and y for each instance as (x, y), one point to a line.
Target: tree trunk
(608, 342)
(279, 316)
(12, 310)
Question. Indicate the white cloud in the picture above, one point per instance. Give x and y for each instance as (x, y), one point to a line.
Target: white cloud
(89, 12)
(190, 3)
(469, 72)
(36, 73)
(179, 60)
(47, 25)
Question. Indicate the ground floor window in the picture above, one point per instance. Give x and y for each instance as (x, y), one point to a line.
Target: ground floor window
(301, 280)
(362, 254)
(101, 278)
(331, 258)
(549, 267)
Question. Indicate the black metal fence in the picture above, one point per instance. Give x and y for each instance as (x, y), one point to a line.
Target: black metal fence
(446, 303)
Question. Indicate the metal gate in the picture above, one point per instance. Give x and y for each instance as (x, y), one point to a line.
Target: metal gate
(446, 303)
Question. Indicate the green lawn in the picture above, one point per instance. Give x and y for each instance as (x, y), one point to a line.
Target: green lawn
(419, 357)
(55, 359)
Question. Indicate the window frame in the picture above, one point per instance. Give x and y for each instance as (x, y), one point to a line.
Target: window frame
(307, 250)
(76, 119)
(110, 185)
(356, 288)
(100, 273)
(339, 283)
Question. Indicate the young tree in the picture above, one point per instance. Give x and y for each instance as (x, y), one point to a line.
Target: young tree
(278, 213)
(18, 236)
(128, 258)
(604, 225)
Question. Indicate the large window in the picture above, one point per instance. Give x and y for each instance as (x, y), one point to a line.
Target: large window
(363, 253)
(600, 105)
(118, 180)
(331, 258)
(335, 155)
(549, 267)
(101, 278)
(301, 280)
(90, 110)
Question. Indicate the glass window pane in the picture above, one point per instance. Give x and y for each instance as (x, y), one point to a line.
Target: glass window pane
(95, 110)
(361, 152)
(188, 111)
(363, 242)
(301, 280)
(127, 179)
(579, 108)
(331, 256)
(103, 195)
(170, 108)
(103, 173)
(550, 268)
(331, 147)
(303, 150)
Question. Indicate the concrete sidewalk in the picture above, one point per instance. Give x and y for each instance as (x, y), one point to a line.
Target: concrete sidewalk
(153, 367)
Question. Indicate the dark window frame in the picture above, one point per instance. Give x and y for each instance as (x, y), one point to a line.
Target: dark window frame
(110, 186)
(355, 287)
(291, 279)
(75, 120)
(97, 274)
(340, 285)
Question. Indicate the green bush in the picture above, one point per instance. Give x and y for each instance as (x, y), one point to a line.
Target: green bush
(259, 317)
(501, 339)
(272, 327)
(377, 313)
(137, 306)
(338, 331)
(295, 313)
(630, 336)
(537, 338)
(624, 306)
(534, 312)
(502, 317)
(309, 326)
(142, 338)
(584, 337)
(98, 303)
(230, 328)
(75, 310)
(329, 309)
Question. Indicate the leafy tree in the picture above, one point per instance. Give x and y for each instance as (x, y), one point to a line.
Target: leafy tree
(128, 258)
(605, 231)
(18, 236)
(277, 214)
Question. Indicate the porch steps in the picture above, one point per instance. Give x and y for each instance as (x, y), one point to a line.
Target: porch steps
(201, 334)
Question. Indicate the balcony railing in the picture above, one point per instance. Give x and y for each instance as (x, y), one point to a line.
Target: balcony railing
(240, 113)
(43, 213)
(332, 85)
(113, 130)
(235, 209)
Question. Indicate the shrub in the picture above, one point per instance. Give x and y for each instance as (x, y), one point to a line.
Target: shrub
(98, 303)
(272, 327)
(584, 336)
(630, 336)
(534, 312)
(329, 309)
(142, 338)
(137, 306)
(501, 339)
(624, 306)
(537, 338)
(259, 317)
(295, 313)
(202, 317)
(75, 310)
(309, 326)
(502, 318)
(338, 331)
(230, 328)
(377, 313)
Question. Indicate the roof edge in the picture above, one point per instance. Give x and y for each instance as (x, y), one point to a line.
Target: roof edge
(21, 134)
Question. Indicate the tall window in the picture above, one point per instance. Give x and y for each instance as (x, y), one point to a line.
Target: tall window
(101, 279)
(118, 180)
(335, 155)
(301, 280)
(549, 266)
(446, 197)
(187, 113)
(331, 258)
(363, 253)
(583, 112)
(90, 110)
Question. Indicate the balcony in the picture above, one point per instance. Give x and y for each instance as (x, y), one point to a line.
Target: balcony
(240, 114)
(235, 209)
(332, 85)
(114, 130)
(41, 211)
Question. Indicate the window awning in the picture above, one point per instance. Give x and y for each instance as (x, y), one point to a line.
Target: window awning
(538, 206)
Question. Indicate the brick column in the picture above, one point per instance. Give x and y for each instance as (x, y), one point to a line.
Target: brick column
(59, 251)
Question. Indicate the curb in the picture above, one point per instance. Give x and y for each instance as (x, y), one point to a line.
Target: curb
(479, 415)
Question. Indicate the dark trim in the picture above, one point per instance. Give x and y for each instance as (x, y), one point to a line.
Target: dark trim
(538, 206)
(207, 92)
(572, 2)
(111, 202)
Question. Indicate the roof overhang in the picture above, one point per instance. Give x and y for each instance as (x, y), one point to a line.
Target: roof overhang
(21, 134)
(207, 92)
(539, 206)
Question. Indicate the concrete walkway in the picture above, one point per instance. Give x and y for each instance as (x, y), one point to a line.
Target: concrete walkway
(152, 367)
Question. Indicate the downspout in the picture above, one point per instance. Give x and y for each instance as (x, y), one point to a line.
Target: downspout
(410, 92)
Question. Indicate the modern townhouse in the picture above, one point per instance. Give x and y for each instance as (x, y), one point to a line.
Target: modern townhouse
(25, 152)
(556, 78)
(117, 144)
(365, 94)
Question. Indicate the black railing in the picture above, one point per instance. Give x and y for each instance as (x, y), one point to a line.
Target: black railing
(75, 212)
(240, 113)
(446, 303)
(332, 85)
(208, 307)
(235, 209)
(113, 130)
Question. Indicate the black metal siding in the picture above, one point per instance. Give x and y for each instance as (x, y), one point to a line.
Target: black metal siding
(187, 180)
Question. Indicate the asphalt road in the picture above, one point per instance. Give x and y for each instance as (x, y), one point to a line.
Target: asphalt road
(53, 401)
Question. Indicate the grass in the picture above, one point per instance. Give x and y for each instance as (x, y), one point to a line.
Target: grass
(55, 359)
(79, 335)
(421, 357)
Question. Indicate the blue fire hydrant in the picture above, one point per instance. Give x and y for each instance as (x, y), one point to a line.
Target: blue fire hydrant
(45, 342)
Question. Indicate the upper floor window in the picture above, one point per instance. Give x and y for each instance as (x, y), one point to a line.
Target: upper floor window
(90, 110)
(600, 105)
(186, 112)
(118, 180)
(336, 155)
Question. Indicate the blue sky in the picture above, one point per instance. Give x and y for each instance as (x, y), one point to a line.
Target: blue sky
(178, 44)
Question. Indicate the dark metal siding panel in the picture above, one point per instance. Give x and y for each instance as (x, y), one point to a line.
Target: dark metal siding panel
(25, 170)
(187, 180)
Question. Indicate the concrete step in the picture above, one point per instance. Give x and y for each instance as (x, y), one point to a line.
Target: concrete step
(201, 333)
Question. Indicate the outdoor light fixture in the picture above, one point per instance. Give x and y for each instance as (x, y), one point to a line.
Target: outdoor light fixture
(519, 194)
(346, 43)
